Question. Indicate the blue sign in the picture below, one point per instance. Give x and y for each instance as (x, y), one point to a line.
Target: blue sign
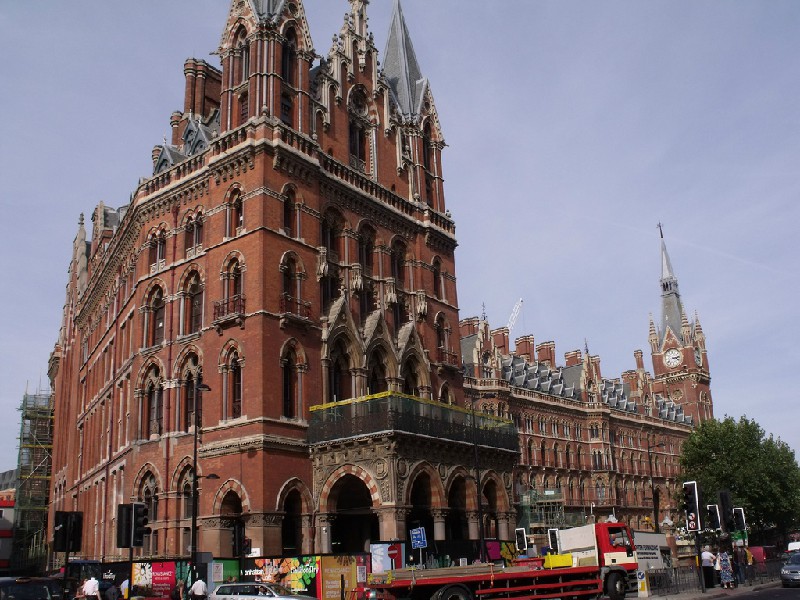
(418, 539)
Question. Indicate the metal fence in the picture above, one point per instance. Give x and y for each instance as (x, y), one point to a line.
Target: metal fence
(665, 582)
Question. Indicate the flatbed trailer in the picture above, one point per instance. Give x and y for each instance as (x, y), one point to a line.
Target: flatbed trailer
(603, 568)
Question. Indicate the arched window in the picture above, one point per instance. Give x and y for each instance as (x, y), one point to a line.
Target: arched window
(289, 368)
(339, 387)
(358, 131)
(193, 305)
(289, 58)
(437, 279)
(156, 313)
(235, 214)
(376, 373)
(444, 395)
(153, 406)
(194, 236)
(289, 214)
(410, 376)
(158, 250)
(235, 385)
(242, 60)
(148, 493)
(189, 402)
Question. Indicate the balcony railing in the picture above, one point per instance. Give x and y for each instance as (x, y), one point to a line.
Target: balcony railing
(392, 412)
(447, 357)
(295, 306)
(229, 307)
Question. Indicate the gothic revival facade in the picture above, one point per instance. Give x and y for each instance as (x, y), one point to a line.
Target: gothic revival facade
(589, 443)
(292, 251)
(281, 291)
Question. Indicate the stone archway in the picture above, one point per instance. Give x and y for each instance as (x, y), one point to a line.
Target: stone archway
(350, 523)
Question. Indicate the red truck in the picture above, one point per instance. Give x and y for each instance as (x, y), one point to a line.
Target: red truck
(598, 559)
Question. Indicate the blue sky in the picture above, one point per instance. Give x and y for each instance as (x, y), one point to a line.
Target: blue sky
(573, 128)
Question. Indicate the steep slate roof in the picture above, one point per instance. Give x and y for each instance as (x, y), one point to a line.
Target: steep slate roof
(537, 376)
(267, 9)
(401, 69)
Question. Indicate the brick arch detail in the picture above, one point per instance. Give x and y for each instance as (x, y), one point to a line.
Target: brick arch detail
(299, 351)
(438, 497)
(291, 485)
(192, 268)
(147, 467)
(472, 487)
(503, 503)
(356, 471)
(180, 468)
(180, 361)
(230, 346)
(141, 377)
(235, 486)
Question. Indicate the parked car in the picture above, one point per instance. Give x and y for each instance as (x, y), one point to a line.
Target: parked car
(255, 590)
(790, 572)
(25, 588)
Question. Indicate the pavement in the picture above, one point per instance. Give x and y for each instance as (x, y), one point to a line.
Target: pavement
(718, 592)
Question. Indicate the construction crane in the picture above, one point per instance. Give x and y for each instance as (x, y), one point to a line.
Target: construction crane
(514, 314)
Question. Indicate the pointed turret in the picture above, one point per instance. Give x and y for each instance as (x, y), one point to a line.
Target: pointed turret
(401, 68)
(671, 307)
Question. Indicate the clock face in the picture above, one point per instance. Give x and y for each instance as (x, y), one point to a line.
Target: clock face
(698, 358)
(672, 358)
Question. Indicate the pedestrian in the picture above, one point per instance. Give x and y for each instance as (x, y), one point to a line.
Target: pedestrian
(707, 562)
(79, 591)
(124, 586)
(177, 592)
(198, 591)
(726, 570)
(91, 589)
(112, 593)
(740, 562)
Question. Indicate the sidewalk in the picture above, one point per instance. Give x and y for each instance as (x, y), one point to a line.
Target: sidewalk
(718, 592)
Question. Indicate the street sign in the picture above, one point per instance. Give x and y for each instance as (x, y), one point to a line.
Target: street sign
(418, 539)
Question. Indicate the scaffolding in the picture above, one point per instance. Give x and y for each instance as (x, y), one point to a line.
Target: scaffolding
(33, 484)
(543, 510)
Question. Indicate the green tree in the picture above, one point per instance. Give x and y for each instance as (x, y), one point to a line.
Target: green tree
(760, 472)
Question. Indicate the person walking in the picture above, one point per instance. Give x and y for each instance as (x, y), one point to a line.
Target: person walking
(112, 593)
(124, 588)
(91, 589)
(725, 570)
(708, 559)
(198, 591)
(740, 562)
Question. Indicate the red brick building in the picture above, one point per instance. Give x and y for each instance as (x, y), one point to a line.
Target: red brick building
(293, 251)
(293, 248)
(590, 444)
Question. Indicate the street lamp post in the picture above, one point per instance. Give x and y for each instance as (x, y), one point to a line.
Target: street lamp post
(653, 490)
(481, 533)
(199, 388)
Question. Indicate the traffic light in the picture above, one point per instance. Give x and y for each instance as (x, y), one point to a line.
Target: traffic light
(139, 528)
(240, 541)
(738, 519)
(691, 501)
(726, 510)
(712, 519)
(124, 525)
(68, 531)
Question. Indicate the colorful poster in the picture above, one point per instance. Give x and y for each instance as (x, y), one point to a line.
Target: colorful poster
(298, 574)
(163, 578)
(339, 578)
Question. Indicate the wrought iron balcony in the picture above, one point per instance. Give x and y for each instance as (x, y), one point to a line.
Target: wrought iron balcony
(295, 306)
(229, 308)
(398, 413)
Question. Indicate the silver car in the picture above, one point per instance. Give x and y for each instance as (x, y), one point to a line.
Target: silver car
(790, 572)
(255, 591)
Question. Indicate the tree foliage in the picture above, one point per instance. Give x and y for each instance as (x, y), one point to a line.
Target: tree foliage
(760, 472)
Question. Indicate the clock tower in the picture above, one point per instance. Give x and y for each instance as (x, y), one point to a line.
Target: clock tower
(678, 349)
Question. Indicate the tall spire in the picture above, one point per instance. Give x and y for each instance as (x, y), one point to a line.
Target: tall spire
(401, 68)
(671, 306)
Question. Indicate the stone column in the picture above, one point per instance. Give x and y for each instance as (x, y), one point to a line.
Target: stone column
(439, 532)
(392, 522)
(472, 524)
(324, 533)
